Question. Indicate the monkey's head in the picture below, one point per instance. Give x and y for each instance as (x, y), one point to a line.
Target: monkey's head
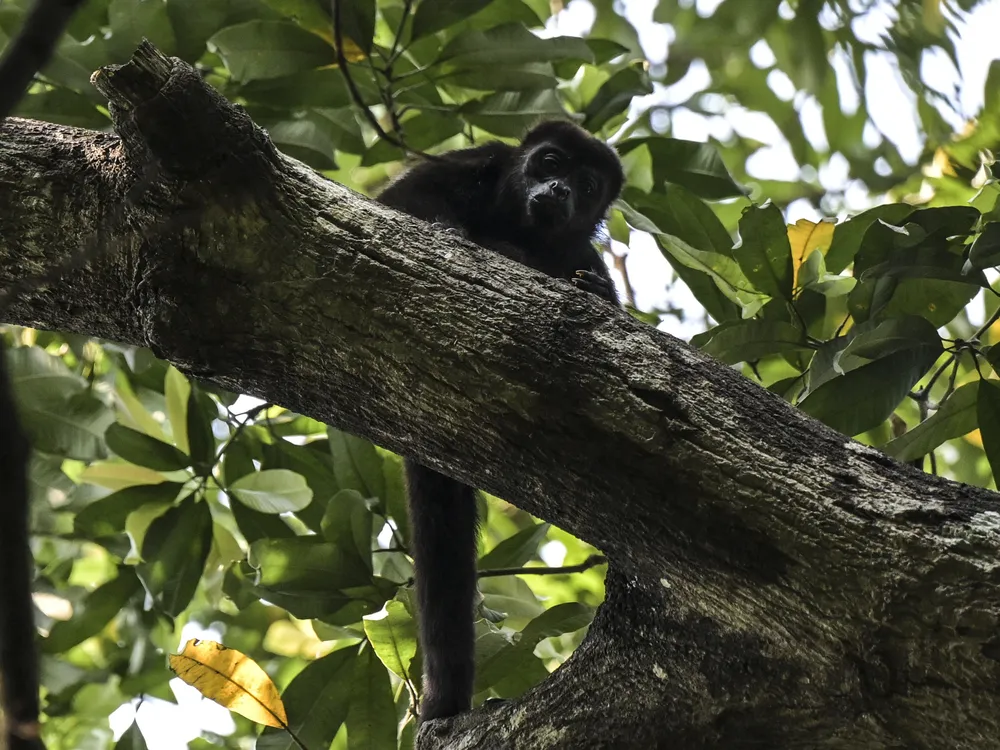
(567, 178)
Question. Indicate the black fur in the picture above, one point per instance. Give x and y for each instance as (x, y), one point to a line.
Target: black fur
(18, 658)
(539, 204)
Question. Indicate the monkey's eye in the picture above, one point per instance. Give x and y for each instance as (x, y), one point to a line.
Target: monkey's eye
(589, 185)
(550, 163)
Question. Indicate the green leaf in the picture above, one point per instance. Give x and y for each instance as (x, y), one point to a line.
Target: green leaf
(201, 410)
(847, 236)
(696, 166)
(510, 113)
(423, 131)
(357, 21)
(616, 94)
(392, 632)
(255, 525)
(887, 338)
(64, 107)
(92, 614)
(272, 491)
(509, 595)
(356, 464)
(58, 411)
(750, 340)
(956, 417)
(516, 550)
(259, 50)
(130, 21)
(988, 414)
(177, 391)
(526, 77)
(306, 575)
(765, 255)
(509, 44)
(721, 268)
(317, 701)
(348, 524)
(681, 214)
(558, 620)
(864, 397)
(985, 251)
(174, 552)
(371, 720)
(440, 14)
(106, 517)
(131, 739)
(322, 87)
(143, 450)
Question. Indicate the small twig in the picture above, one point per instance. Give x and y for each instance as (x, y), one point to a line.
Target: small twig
(591, 562)
(944, 365)
(620, 267)
(397, 49)
(32, 49)
(338, 40)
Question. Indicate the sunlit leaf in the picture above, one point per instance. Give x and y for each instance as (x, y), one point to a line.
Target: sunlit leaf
(272, 491)
(392, 632)
(750, 340)
(107, 515)
(956, 417)
(806, 237)
(92, 614)
(516, 550)
(177, 391)
(317, 701)
(371, 720)
(764, 254)
(174, 551)
(231, 679)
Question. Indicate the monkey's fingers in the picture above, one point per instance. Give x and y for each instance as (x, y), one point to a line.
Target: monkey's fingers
(448, 228)
(590, 281)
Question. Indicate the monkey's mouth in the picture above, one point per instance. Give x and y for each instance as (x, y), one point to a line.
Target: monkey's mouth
(546, 210)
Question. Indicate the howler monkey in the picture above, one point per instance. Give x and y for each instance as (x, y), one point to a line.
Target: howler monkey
(540, 204)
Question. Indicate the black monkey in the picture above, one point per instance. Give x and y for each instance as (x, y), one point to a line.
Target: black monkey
(540, 204)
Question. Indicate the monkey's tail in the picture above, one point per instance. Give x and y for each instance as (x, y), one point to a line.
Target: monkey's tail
(443, 521)
(18, 659)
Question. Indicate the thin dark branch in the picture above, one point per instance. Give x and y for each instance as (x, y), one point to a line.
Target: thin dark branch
(352, 87)
(591, 562)
(32, 49)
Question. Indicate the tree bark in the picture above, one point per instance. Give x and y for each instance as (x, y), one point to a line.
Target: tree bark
(773, 583)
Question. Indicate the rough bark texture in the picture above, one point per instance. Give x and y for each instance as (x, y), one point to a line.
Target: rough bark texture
(773, 583)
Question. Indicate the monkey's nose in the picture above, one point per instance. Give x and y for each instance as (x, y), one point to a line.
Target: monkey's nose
(559, 191)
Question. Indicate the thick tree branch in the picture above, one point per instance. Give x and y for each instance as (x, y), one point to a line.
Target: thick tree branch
(773, 584)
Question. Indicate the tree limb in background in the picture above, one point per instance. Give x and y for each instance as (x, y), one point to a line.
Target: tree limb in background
(23, 58)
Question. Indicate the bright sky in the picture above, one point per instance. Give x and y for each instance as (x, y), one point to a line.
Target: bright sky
(169, 727)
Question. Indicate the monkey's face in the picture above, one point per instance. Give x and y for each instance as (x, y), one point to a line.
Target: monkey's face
(562, 193)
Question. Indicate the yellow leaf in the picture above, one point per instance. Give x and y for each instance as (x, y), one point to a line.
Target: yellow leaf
(975, 437)
(231, 679)
(177, 390)
(119, 475)
(352, 52)
(806, 236)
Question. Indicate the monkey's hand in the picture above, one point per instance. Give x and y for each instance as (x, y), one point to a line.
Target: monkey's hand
(590, 281)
